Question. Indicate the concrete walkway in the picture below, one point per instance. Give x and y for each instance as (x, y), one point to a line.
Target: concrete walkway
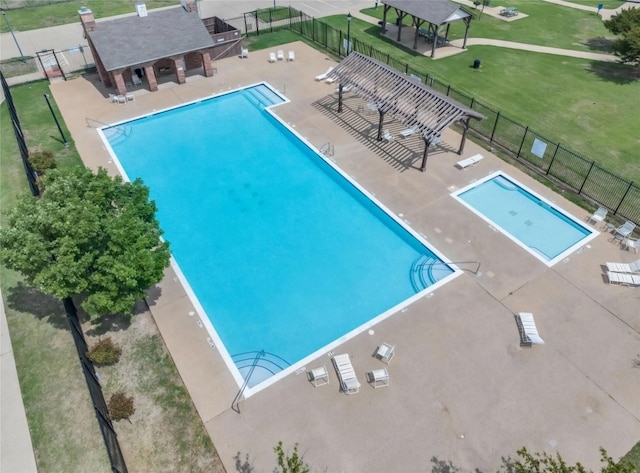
(15, 441)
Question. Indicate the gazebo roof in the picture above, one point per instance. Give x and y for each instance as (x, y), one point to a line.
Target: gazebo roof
(404, 97)
(436, 12)
(135, 40)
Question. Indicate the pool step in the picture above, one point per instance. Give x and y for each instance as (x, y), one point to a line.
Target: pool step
(262, 96)
(427, 270)
(117, 134)
(266, 365)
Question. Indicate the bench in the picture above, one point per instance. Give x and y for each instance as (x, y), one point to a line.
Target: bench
(509, 12)
(473, 160)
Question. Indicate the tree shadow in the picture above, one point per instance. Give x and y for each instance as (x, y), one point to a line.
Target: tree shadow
(153, 294)
(615, 72)
(112, 322)
(447, 466)
(600, 43)
(30, 300)
(243, 465)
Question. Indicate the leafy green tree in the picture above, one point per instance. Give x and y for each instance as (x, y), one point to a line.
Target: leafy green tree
(627, 25)
(87, 235)
(544, 463)
(290, 463)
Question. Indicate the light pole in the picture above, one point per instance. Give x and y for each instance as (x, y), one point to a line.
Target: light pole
(349, 33)
(6, 20)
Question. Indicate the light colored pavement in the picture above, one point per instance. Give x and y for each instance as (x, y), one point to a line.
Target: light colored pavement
(462, 390)
(601, 387)
(16, 450)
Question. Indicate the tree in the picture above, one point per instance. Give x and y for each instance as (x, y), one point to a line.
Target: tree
(545, 463)
(87, 235)
(627, 25)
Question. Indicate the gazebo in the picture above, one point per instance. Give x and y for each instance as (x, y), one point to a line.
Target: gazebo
(437, 13)
(425, 110)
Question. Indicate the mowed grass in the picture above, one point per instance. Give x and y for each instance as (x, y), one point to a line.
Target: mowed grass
(44, 14)
(590, 107)
(165, 434)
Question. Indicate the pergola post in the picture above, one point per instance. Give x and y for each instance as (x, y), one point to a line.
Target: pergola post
(464, 134)
(340, 97)
(425, 154)
(467, 22)
(380, 123)
(384, 18)
(435, 41)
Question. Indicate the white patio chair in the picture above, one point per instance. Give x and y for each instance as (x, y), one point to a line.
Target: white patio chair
(280, 55)
(136, 80)
(292, 56)
(409, 131)
(385, 352)
(244, 53)
(387, 136)
(631, 243)
(379, 378)
(272, 57)
(319, 376)
(598, 216)
(625, 230)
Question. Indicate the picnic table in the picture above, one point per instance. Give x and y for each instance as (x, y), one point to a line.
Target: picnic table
(428, 37)
(509, 11)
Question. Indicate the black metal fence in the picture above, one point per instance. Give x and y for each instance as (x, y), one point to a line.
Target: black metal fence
(102, 411)
(558, 164)
(22, 144)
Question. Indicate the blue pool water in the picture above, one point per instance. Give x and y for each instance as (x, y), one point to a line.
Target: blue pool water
(284, 255)
(533, 222)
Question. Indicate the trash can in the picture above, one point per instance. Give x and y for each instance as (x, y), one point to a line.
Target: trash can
(476, 64)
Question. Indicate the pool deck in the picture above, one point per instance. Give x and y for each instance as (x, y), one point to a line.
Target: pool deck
(462, 389)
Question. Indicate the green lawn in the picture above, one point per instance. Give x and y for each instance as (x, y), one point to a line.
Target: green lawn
(585, 105)
(47, 14)
(165, 434)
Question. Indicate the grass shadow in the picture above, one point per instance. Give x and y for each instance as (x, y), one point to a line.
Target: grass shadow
(29, 300)
(615, 72)
(601, 44)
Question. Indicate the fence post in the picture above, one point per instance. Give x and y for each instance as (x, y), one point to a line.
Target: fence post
(526, 130)
(246, 28)
(553, 158)
(448, 89)
(495, 125)
(586, 177)
(624, 197)
(473, 100)
(255, 14)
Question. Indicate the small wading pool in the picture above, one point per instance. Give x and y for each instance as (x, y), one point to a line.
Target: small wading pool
(284, 257)
(534, 223)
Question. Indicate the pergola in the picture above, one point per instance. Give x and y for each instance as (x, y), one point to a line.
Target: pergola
(434, 12)
(409, 101)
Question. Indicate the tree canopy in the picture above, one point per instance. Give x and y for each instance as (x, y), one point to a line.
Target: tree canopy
(627, 25)
(87, 235)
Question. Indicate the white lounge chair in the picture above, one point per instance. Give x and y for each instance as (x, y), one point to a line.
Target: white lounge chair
(473, 160)
(121, 99)
(624, 279)
(292, 56)
(631, 243)
(130, 97)
(387, 136)
(272, 57)
(626, 229)
(348, 379)
(331, 80)
(385, 352)
(280, 55)
(244, 53)
(319, 376)
(409, 131)
(324, 75)
(136, 80)
(527, 328)
(379, 378)
(598, 216)
(625, 267)
(113, 98)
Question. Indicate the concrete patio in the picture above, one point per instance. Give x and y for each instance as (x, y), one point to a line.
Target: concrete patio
(462, 390)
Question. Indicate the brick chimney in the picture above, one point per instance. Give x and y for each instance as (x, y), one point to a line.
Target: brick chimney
(190, 6)
(87, 20)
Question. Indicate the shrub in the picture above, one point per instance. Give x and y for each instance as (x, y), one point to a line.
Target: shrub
(120, 406)
(104, 352)
(42, 161)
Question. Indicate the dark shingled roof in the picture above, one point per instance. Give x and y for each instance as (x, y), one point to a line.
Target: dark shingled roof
(436, 12)
(133, 40)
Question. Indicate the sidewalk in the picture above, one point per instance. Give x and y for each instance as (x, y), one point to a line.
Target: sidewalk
(15, 441)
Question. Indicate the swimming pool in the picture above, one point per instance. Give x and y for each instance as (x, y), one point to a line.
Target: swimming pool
(534, 223)
(283, 255)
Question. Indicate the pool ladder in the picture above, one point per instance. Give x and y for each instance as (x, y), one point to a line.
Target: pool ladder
(235, 405)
